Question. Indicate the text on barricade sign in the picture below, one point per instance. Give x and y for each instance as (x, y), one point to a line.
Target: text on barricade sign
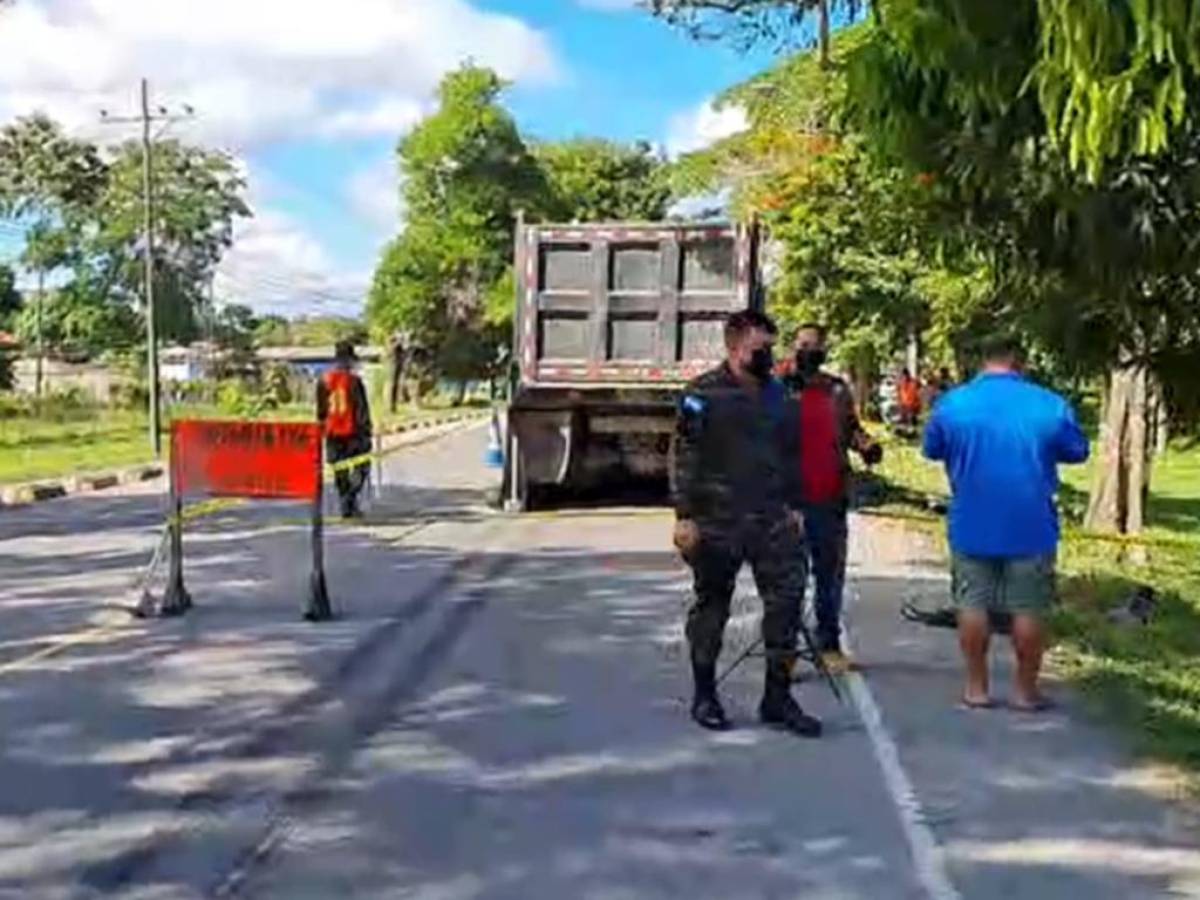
(277, 460)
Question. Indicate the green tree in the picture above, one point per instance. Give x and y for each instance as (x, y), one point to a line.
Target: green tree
(50, 182)
(10, 298)
(84, 212)
(198, 198)
(272, 331)
(235, 327)
(466, 172)
(595, 180)
(849, 233)
(751, 22)
(1085, 193)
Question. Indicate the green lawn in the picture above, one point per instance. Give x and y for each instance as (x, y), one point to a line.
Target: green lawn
(1145, 678)
(33, 449)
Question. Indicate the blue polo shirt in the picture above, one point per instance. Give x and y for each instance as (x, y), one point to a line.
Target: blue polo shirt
(1001, 438)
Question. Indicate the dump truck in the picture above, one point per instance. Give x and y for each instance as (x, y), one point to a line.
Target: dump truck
(611, 322)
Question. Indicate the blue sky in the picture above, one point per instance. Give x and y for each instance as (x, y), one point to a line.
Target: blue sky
(312, 97)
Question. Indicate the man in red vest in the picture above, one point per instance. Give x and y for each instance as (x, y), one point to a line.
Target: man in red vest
(343, 412)
(829, 430)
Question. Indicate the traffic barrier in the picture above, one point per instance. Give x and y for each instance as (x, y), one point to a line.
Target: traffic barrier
(232, 460)
(176, 599)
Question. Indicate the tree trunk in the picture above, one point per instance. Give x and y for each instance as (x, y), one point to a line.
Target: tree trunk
(1121, 480)
(913, 353)
(1135, 451)
(823, 31)
(396, 388)
(1157, 419)
(460, 395)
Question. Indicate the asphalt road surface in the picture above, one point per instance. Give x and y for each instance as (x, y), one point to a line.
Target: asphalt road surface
(500, 711)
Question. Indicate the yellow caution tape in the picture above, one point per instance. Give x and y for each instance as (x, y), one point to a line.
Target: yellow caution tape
(1069, 535)
(218, 505)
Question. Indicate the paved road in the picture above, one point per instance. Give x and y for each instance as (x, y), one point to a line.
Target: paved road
(500, 713)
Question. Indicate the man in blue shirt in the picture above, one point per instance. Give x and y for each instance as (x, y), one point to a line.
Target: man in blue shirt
(1001, 438)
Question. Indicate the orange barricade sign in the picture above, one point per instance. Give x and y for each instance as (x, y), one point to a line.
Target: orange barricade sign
(269, 460)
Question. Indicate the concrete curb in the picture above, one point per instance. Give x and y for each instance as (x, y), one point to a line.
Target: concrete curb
(54, 489)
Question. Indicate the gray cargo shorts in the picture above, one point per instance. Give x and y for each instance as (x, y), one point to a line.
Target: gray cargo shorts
(1024, 586)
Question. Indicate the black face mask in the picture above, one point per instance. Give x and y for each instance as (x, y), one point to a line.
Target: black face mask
(809, 362)
(762, 363)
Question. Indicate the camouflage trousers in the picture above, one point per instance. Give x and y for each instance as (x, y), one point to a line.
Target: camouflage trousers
(774, 550)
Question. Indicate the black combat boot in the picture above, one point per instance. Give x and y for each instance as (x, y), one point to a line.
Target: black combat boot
(779, 709)
(706, 708)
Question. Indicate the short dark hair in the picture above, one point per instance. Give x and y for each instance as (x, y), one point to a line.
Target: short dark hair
(747, 320)
(1002, 348)
(820, 329)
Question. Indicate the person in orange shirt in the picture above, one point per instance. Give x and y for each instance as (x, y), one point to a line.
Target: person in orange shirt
(908, 395)
(345, 416)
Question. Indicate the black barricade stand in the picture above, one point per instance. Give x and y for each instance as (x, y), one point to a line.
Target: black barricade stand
(318, 609)
(176, 600)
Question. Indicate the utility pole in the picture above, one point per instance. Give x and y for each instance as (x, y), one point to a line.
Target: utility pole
(148, 241)
(145, 119)
(37, 319)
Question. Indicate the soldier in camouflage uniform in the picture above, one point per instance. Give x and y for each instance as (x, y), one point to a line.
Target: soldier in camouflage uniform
(737, 501)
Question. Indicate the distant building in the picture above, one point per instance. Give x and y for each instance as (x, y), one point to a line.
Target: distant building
(311, 362)
(186, 365)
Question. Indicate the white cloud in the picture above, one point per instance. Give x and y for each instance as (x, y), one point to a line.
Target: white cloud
(374, 195)
(255, 70)
(276, 266)
(391, 117)
(703, 125)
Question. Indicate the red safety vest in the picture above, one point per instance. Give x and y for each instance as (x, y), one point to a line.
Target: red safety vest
(340, 418)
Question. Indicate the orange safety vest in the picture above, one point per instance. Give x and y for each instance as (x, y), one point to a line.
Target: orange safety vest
(340, 418)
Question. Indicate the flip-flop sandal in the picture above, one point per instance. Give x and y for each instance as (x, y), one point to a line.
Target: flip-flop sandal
(1042, 705)
(964, 703)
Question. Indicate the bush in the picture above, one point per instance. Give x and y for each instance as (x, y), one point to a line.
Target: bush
(129, 395)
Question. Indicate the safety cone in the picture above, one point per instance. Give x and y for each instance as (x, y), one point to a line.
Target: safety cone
(494, 457)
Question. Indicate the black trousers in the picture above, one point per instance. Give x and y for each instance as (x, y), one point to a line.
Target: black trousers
(349, 481)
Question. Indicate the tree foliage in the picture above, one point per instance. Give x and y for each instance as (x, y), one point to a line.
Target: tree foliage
(747, 23)
(83, 210)
(466, 173)
(850, 233)
(10, 298)
(198, 197)
(592, 180)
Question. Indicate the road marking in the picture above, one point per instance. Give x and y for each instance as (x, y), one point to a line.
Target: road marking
(91, 635)
(929, 860)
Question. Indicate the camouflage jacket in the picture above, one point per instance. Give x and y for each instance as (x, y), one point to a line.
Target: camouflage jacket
(735, 449)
